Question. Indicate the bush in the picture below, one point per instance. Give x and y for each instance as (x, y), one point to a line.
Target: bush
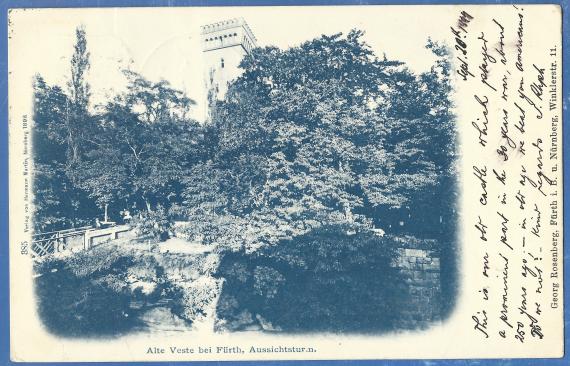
(96, 293)
(156, 224)
(326, 280)
(73, 303)
(195, 298)
(103, 259)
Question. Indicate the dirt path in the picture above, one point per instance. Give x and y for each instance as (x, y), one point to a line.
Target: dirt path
(177, 245)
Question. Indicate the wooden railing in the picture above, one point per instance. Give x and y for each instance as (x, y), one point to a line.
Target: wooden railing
(76, 239)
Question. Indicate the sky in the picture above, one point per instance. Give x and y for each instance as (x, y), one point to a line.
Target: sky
(163, 43)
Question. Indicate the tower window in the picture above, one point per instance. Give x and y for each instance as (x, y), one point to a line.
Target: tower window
(222, 63)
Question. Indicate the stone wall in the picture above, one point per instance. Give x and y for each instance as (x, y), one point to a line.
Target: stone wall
(421, 268)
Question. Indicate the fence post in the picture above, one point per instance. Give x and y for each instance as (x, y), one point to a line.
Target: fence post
(56, 242)
(86, 240)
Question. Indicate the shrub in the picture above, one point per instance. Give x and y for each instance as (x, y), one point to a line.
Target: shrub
(94, 293)
(196, 298)
(102, 259)
(76, 304)
(156, 224)
(326, 280)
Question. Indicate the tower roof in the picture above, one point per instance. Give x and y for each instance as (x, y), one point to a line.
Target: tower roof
(228, 24)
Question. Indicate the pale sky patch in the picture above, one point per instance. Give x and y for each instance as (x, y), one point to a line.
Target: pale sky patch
(164, 43)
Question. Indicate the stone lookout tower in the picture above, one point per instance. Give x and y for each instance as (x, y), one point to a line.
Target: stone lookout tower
(224, 44)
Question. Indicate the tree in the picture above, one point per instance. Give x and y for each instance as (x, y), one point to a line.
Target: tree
(78, 119)
(51, 209)
(340, 141)
(134, 153)
(314, 119)
(144, 145)
(58, 203)
(423, 140)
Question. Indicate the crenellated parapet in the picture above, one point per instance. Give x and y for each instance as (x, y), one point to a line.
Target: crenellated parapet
(227, 33)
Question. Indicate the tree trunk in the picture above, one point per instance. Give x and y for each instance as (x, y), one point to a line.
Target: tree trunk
(106, 217)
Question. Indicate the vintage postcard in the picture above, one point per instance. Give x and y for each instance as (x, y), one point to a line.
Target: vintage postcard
(286, 183)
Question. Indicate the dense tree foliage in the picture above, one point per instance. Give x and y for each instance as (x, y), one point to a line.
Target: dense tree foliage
(318, 143)
(58, 125)
(321, 133)
(145, 145)
(312, 149)
(324, 133)
(130, 154)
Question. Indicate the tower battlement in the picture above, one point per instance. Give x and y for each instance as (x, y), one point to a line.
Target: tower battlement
(227, 33)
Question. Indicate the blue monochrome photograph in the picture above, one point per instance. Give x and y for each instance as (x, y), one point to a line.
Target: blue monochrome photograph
(239, 183)
(317, 194)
